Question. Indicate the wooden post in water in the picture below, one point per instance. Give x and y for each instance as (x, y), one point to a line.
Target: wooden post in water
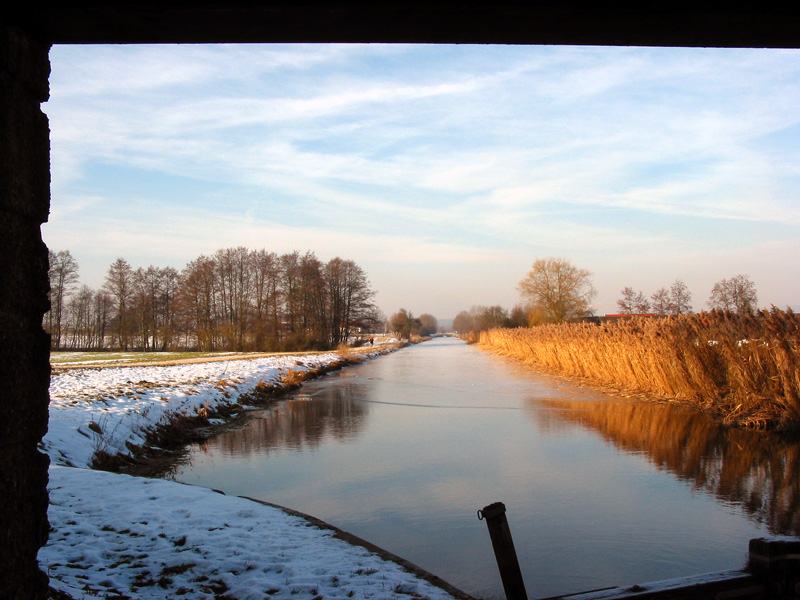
(504, 552)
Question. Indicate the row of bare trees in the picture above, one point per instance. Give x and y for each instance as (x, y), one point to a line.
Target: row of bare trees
(482, 318)
(553, 291)
(737, 294)
(556, 291)
(235, 299)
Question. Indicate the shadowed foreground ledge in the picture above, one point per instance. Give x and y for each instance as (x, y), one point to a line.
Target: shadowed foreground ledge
(28, 29)
(511, 22)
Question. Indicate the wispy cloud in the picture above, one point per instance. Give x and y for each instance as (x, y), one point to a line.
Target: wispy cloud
(426, 155)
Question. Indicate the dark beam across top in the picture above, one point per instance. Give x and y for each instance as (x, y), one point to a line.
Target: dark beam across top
(509, 22)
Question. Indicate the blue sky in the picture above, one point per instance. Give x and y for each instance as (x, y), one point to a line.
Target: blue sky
(444, 171)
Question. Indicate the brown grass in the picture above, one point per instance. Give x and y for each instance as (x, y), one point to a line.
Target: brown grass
(473, 337)
(745, 369)
(292, 379)
(347, 353)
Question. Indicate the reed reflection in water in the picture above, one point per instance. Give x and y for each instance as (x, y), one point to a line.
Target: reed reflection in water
(758, 472)
(402, 451)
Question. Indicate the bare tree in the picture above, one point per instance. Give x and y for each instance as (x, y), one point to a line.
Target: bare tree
(518, 317)
(63, 274)
(266, 298)
(103, 306)
(165, 308)
(233, 278)
(488, 317)
(680, 297)
(462, 323)
(677, 300)
(312, 291)
(403, 322)
(633, 302)
(152, 309)
(239, 299)
(80, 319)
(290, 268)
(142, 309)
(119, 284)
(737, 294)
(661, 303)
(349, 298)
(197, 301)
(483, 318)
(428, 324)
(558, 289)
(305, 303)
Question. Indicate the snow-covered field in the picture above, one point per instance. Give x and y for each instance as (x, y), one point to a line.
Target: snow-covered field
(116, 536)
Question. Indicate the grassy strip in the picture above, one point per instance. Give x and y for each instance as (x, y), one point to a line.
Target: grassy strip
(66, 357)
(60, 361)
(63, 361)
(744, 369)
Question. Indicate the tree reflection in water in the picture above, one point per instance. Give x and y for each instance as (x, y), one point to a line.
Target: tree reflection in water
(297, 424)
(757, 471)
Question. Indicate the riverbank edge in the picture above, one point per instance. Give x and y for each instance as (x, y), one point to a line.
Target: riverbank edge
(165, 442)
(791, 435)
(629, 394)
(354, 540)
(228, 508)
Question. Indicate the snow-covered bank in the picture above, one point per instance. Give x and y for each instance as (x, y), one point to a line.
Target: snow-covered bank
(117, 536)
(113, 409)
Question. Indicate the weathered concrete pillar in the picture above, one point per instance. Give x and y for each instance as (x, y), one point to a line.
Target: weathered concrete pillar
(777, 562)
(24, 347)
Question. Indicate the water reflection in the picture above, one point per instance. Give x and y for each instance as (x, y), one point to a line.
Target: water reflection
(300, 424)
(403, 450)
(759, 473)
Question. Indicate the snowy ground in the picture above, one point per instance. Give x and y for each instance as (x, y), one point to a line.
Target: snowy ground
(116, 536)
(112, 408)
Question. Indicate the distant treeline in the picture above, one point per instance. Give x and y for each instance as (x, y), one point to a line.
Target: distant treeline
(743, 368)
(236, 299)
(482, 318)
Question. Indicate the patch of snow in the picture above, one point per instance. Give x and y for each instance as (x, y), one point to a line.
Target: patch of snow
(121, 536)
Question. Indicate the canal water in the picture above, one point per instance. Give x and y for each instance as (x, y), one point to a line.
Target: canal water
(600, 490)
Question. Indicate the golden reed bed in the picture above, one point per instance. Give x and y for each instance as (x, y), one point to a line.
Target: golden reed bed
(740, 368)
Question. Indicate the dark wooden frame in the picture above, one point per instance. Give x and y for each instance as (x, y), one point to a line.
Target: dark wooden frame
(29, 28)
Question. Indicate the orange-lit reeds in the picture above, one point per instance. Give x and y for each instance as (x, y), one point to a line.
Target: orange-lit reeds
(743, 368)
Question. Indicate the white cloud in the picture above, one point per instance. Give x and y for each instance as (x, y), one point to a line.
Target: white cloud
(422, 155)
